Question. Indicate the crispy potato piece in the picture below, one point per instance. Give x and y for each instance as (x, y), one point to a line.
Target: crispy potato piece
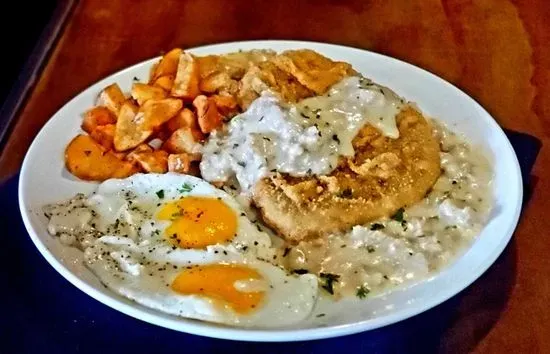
(127, 134)
(186, 118)
(186, 83)
(131, 156)
(105, 135)
(207, 112)
(88, 160)
(158, 112)
(185, 140)
(227, 105)
(97, 116)
(143, 92)
(165, 82)
(153, 162)
(112, 98)
(135, 126)
(208, 65)
(311, 69)
(168, 65)
(180, 163)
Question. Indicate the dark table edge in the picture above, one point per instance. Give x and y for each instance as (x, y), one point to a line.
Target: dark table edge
(33, 67)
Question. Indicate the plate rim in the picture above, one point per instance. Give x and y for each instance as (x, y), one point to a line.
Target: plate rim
(213, 330)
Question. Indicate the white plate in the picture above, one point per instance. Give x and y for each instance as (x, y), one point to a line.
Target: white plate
(44, 180)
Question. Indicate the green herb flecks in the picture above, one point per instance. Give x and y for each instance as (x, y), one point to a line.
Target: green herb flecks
(362, 292)
(160, 194)
(398, 216)
(185, 188)
(329, 279)
(376, 226)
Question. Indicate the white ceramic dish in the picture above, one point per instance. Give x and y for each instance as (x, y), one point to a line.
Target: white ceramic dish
(44, 180)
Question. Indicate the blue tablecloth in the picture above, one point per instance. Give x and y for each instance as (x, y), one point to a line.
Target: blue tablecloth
(44, 313)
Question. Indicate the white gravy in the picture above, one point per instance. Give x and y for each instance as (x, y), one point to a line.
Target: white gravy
(300, 139)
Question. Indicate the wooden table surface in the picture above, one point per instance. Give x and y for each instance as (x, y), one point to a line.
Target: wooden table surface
(495, 50)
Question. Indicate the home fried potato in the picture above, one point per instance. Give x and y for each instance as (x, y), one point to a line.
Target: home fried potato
(97, 116)
(131, 156)
(186, 118)
(88, 160)
(209, 117)
(311, 69)
(104, 135)
(152, 161)
(185, 140)
(112, 98)
(186, 82)
(143, 92)
(168, 65)
(180, 163)
(135, 125)
(165, 82)
(219, 82)
(226, 104)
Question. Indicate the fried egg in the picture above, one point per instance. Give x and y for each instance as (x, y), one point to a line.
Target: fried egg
(177, 244)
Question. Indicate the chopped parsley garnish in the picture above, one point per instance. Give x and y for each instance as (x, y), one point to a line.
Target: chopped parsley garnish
(160, 193)
(329, 280)
(362, 292)
(376, 226)
(185, 188)
(136, 78)
(286, 251)
(241, 163)
(371, 249)
(398, 216)
(303, 115)
(335, 138)
(320, 315)
(300, 271)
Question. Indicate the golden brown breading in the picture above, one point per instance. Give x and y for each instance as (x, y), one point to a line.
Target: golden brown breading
(311, 69)
(384, 175)
(266, 75)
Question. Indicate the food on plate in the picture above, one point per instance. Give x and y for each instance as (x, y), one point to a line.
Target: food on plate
(313, 180)
(177, 244)
(384, 175)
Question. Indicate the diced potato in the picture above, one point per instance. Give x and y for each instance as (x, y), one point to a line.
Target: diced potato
(128, 133)
(168, 65)
(208, 116)
(185, 140)
(131, 156)
(153, 162)
(208, 65)
(184, 119)
(165, 82)
(104, 134)
(158, 112)
(87, 159)
(112, 98)
(180, 163)
(186, 83)
(143, 92)
(95, 117)
(227, 105)
(135, 125)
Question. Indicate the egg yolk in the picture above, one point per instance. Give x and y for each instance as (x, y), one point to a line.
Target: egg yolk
(217, 281)
(198, 222)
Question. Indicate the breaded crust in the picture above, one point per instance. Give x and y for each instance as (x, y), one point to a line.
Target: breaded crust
(384, 175)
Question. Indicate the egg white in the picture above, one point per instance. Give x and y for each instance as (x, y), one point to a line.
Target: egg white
(136, 260)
